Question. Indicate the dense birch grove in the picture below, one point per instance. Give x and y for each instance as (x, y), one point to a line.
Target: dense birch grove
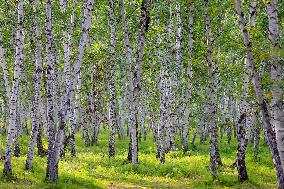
(180, 74)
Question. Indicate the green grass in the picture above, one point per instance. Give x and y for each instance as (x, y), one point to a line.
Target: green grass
(92, 168)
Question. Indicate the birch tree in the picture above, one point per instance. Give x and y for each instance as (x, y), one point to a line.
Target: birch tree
(112, 103)
(54, 149)
(211, 95)
(277, 70)
(37, 76)
(188, 80)
(260, 99)
(14, 91)
(144, 26)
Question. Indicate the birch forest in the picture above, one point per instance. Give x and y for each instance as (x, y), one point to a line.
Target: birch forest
(141, 94)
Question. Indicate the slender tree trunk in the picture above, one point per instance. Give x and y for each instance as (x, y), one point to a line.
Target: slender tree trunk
(214, 154)
(67, 41)
(86, 128)
(112, 103)
(256, 133)
(14, 92)
(50, 172)
(72, 109)
(242, 141)
(276, 76)
(53, 159)
(144, 24)
(260, 99)
(176, 80)
(5, 68)
(188, 81)
(35, 121)
(40, 150)
(244, 123)
(130, 76)
(170, 110)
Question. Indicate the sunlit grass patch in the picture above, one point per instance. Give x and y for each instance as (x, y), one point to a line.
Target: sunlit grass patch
(92, 168)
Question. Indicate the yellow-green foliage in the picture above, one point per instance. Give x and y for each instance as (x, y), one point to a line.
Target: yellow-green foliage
(93, 169)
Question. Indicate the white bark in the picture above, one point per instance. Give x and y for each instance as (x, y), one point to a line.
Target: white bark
(4, 67)
(277, 70)
(35, 115)
(14, 91)
(52, 168)
(112, 91)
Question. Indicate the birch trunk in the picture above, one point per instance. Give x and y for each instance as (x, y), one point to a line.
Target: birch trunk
(214, 155)
(14, 92)
(35, 121)
(49, 92)
(6, 94)
(276, 76)
(244, 123)
(67, 41)
(112, 103)
(130, 77)
(169, 127)
(144, 24)
(260, 98)
(5, 68)
(257, 130)
(52, 167)
(188, 81)
(242, 141)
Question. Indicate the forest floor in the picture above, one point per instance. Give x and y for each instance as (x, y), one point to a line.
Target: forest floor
(92, 168)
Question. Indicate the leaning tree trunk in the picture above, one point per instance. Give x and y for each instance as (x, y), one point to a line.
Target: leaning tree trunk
(53, 158)
(14, 92)
(244, 115)
(276, 76)
(260, 98)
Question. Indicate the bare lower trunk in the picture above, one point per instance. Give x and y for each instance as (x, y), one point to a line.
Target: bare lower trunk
(257, 130)
(32, 142)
